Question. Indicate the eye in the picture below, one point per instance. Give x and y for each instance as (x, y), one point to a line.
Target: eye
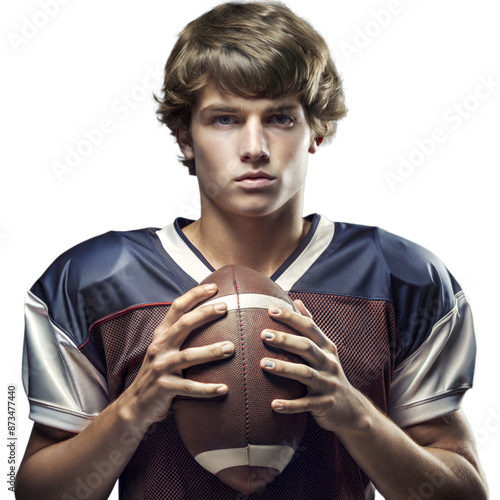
(285, 120)
(223, 120)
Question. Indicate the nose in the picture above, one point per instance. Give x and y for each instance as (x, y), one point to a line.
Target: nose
(253, 146)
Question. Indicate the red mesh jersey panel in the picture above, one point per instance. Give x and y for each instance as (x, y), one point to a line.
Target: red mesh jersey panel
(122, 340)
(365, 334)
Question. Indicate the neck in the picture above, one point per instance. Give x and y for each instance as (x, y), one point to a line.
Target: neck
(261, 243)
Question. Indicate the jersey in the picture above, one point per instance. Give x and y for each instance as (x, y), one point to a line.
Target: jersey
(401, 323)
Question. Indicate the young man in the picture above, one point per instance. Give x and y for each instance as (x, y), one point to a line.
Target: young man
(387, 339)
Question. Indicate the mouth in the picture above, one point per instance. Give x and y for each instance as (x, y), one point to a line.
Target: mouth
(257, 179)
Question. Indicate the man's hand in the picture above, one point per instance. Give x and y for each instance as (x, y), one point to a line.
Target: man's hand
(160, 377)
(54, 459)
(381, 449)
(331, 399)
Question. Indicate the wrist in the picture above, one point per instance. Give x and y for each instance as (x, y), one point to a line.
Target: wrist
(361, 420)
(130, 411)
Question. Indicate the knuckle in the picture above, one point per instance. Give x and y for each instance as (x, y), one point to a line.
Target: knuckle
(308, 373)
(282, 367)
(161, 330)
(322, 405)
(182, 323)
(175, 306)
(315, 405)
(215, 351)
(192, 389)
(158, 368)
(179, 304)
(189, 386)
(207, 390)
(335, 366)
(308, 323)
(207, 311)
(185, 357)
(328, 401)
(323, 408)
(285, 312)
(307, 345)
(164, 383)
(153, 350)
(193, 294)
(331, 346)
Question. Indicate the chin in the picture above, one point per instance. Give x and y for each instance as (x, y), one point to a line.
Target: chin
(257, 212)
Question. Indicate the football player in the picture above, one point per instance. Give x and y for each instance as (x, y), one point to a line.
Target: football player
(387, 340)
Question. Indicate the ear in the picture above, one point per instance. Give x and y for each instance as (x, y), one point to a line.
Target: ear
(315, 144)
(185, 143)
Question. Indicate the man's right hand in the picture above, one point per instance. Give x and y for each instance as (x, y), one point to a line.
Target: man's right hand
(55, 460)
(160, 378)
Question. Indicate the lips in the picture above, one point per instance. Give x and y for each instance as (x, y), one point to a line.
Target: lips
(254, 175)
(255, 180)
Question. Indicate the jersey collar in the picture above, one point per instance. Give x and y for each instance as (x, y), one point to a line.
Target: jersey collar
(192, 262)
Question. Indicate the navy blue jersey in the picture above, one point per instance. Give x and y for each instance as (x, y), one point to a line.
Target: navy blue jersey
(400, 321)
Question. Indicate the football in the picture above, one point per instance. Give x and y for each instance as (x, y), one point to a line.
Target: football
(238, 437)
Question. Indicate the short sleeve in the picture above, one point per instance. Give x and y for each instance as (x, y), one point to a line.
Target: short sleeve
(65, 390)
(432, 381)
(436, 347)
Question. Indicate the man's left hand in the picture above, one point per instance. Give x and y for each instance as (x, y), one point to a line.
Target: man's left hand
(333, 402)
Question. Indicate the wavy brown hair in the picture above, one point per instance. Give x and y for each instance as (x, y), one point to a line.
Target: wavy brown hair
(252, 49)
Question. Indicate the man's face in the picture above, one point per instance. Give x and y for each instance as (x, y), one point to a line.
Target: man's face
(250, 154)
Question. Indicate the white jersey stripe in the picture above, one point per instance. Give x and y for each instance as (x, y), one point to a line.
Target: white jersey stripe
(182, 253)
(190, 262)
(318, 244)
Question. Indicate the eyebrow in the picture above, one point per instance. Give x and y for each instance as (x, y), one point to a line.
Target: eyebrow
(285, 108)
(216, 108)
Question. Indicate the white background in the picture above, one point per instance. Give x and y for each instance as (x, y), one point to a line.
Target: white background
(409, 68)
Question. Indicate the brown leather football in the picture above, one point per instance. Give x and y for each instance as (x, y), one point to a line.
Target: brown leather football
(239, 437)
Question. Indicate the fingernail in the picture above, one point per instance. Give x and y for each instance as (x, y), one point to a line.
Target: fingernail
(227, 348)
(275, 311)
(222, 389)
(269, 335)
(220, 307)
(269, 364)
(211, 287)
(278, 406)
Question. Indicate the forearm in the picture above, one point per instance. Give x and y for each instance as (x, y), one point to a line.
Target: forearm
(86, 465)
(56, 467)
(402, 469)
